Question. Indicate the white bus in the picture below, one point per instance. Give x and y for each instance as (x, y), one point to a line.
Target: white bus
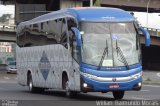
(81, 50)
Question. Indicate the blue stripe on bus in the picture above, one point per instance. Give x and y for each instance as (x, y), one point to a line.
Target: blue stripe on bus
(103, 13)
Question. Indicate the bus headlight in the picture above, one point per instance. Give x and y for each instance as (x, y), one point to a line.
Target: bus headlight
(88, 75)
(139, 84)
(135, 76)
(85, 85)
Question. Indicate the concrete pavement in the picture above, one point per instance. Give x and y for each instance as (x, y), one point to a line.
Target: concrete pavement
(151, 77)
(10, 90)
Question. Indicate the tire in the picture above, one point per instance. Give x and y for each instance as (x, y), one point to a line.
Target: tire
(118, 94)
(33, 89)
(8, 72)
(65, 86)
(30, 84)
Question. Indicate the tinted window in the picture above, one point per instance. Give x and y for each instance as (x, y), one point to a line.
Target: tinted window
(45, 33)
(12, 63)
(72, 38)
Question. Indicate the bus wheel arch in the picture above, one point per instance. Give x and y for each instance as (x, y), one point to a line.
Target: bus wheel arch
(28, 76)
(31, 86)
(64, 79)
(65, 86)
(118, 94)
(30, 82)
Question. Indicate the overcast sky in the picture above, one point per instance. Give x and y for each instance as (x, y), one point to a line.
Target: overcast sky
(9, 9)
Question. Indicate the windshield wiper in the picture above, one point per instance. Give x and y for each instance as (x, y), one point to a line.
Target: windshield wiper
(103, 56)
(119, 51)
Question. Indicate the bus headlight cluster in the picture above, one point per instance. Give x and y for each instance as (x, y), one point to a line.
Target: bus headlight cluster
(88, 75)
(85, 85)
(139, 84)
(135, 76)
(110, 79)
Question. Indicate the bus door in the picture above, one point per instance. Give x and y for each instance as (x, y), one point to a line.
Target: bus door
(74, 72)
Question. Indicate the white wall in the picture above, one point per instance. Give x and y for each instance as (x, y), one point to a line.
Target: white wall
(70, 3)
(153, 19)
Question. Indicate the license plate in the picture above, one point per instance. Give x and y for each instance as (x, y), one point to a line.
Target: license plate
(113, 86)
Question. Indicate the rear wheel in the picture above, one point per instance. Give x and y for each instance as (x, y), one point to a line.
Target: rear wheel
(33, 89)
(118, 94)
(8, 72)
(30, 84)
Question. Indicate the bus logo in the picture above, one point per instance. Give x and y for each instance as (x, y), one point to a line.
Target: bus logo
(114, 37)
(114, 79)
(44, 65)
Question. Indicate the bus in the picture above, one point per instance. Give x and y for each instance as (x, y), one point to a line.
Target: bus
(87, 49)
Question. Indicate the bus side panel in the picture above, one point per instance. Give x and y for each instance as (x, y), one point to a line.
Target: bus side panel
(75, 77)
(56, 57)
(21, 65)
(64, 62)
(34, 54)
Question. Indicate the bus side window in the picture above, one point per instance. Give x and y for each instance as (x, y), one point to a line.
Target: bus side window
(72, 38)
(71, 23)
(21, 38)
(64, 40)
(63, 32)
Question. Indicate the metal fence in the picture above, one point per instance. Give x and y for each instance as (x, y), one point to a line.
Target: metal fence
(153, 31)
(8, 28)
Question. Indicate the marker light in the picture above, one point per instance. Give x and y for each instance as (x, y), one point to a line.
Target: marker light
(139, 84)
(85, 85)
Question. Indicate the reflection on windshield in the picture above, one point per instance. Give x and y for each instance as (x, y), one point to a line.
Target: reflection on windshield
(120, 53)
(104, 54)
(94, 43)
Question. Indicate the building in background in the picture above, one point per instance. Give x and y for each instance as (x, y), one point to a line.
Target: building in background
(6, 52)
(5, 47)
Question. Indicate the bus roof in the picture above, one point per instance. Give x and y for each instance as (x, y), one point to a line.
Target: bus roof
(100, 14)
(86, 14)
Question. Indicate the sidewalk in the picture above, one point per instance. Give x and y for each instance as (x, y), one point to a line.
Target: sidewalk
(151, 77)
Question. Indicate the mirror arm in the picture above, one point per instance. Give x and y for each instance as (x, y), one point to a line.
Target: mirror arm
(147, 36)
(78, 36)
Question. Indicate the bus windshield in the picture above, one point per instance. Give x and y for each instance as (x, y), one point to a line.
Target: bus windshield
(117, 41)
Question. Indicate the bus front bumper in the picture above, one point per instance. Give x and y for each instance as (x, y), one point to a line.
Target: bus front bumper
(88, 84)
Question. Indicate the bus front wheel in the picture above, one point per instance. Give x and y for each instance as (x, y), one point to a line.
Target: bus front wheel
(65, 86)
(118, 94)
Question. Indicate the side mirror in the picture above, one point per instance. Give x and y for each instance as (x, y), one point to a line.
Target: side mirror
(78, 36)
(146, 34)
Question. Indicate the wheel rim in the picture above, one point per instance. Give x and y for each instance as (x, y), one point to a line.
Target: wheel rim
(30, 85)
(67, 89)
